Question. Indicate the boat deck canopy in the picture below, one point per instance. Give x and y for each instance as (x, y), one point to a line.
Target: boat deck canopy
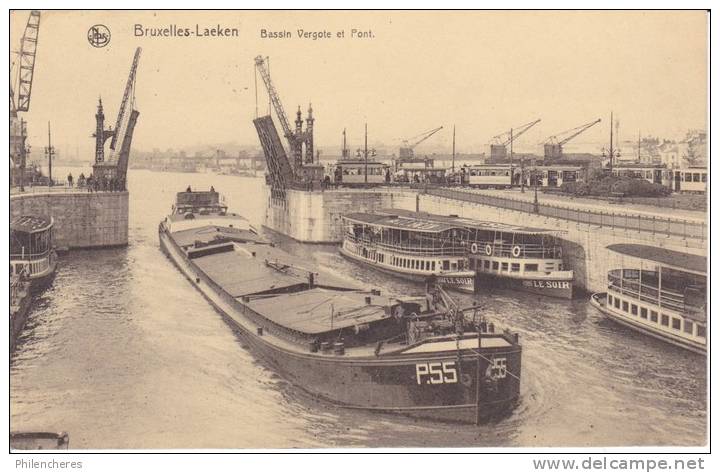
(319, 310)
(669, 258)
(30, 224)
(422, 221)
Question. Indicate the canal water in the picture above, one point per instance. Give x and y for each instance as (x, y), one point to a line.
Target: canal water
(122, 352)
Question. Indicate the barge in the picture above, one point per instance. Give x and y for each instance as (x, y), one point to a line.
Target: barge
(420, 356)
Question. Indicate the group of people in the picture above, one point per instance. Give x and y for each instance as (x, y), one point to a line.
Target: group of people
(93, 184)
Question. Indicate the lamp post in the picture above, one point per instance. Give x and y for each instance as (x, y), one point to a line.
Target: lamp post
(364, 154)
(611, 153)
(536, 205)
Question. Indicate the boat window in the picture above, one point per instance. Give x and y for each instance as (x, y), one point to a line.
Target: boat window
(610, 299)
(676, 324)
(617, 303)
(643, 313)
(688, 327)
(531, 267)
(432, 265)
(700, 331)
(504, 266)
(653, 316)
(625, 306)
(487, 264)
(515, 267)
(664, 320)
(704, 177)
(633, 309)
(496, 265)
(446, 264)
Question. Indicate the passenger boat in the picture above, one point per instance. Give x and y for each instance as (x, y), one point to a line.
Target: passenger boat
(409, 245)
(356, 348)
(525, 258)
(529, 259)
(659, 292)
(32, 254)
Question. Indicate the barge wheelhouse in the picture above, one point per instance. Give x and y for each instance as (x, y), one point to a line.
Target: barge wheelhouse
(421, 356)
(409, 246)
(659, 292)
(32, 253)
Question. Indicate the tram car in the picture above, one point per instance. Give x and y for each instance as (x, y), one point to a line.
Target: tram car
(419, 173)
(554, 175)
(654, 173)
(489, 175)
(690, 179)
(352, 173)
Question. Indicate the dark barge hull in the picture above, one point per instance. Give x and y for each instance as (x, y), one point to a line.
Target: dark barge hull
(561, 289)
(388, 383)
(418, 278)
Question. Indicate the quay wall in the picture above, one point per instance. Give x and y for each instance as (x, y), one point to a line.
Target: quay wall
(584, 246)
(314, 217)
(82, 219)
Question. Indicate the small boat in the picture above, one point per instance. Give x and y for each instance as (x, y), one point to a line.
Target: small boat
(659, 292)
(351, 346)
(39, 441)
(32, 254)
(409, 245)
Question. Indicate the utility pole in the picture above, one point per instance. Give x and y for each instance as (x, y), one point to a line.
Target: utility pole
(511, 145)
(23, 153)
(453, 155)
(522, 174)
(50, 153)
(366, 155)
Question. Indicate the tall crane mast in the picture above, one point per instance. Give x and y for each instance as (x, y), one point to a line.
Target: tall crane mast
(498, 149)
(553, 145)
(407, 150)
(26, 65)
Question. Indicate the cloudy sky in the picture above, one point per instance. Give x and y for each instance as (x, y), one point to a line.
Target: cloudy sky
(483, 71)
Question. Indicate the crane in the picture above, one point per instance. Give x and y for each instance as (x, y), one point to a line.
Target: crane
(26, 66)
(498, 149)
(22, 80)
(407, 150)
(553, 145)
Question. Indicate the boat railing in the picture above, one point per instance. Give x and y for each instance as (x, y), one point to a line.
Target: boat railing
(652, 294)
(527, 250)
(448, 250)
(30, 256)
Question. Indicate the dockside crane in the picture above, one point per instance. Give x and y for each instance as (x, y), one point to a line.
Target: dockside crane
(21, 81)
(407, 150)
(498, 148)
(554, 145)
(25, 66)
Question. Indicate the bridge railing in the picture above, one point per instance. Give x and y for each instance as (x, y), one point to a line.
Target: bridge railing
(686, 229)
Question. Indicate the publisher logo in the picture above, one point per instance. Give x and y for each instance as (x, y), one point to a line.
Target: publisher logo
(98, 36)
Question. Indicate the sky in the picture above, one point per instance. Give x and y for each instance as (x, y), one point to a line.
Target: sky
(482, 71)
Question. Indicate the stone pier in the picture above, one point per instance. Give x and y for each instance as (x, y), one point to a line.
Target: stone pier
(82, 219)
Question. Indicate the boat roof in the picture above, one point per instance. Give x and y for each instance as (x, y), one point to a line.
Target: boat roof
(320, 310)
(31, 224)
(198, 198)
(432, 223)
(670, 258)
